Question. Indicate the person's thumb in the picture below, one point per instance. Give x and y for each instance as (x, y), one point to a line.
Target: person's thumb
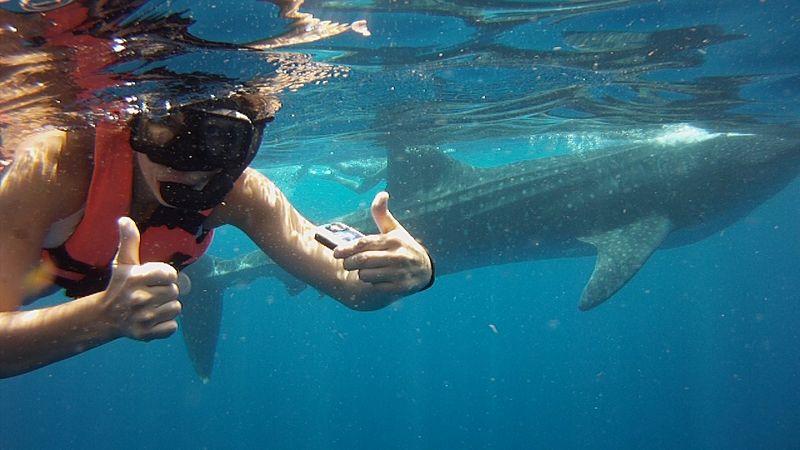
(381, 215)
(128, 252)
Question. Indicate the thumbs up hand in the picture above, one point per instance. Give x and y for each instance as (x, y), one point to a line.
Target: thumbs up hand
(393, 261)
(141, 301)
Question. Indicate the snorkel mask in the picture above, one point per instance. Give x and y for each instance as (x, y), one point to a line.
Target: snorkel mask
(206, 139)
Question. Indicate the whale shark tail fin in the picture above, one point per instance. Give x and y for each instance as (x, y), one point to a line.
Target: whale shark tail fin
(202, 304)
(201, 316)
(621, 252)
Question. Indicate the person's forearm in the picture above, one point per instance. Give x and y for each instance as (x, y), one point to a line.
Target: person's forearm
(36, 338)
(360, 296)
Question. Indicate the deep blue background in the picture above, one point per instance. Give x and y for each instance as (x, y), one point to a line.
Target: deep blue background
(698, 351)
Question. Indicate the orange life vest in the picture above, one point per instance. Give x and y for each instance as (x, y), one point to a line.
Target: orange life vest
(82, 265)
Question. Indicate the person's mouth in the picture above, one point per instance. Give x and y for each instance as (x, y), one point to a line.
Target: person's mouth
(196, 184)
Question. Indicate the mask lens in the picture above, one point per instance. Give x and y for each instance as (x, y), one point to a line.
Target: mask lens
(226, 140)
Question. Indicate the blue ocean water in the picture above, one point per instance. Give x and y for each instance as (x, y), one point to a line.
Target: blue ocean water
(699, 350)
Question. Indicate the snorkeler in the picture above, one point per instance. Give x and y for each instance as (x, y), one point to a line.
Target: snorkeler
(112, 213)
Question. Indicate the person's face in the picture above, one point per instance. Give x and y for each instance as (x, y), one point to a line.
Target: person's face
(154, 174)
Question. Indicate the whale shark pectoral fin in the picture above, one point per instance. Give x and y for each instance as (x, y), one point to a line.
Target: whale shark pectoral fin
(621, 252)
(201, 316)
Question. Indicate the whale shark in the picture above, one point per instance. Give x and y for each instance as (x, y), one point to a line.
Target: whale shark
(620, 203)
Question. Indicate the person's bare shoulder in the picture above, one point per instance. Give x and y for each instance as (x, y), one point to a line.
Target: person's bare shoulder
(51, 169)
(46, 182)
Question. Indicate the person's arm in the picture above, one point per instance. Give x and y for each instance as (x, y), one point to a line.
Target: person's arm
(35, 338)
(140, 301)
(366, 275)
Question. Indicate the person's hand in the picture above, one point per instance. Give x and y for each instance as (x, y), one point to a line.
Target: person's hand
(141, 300)
(392, 260)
